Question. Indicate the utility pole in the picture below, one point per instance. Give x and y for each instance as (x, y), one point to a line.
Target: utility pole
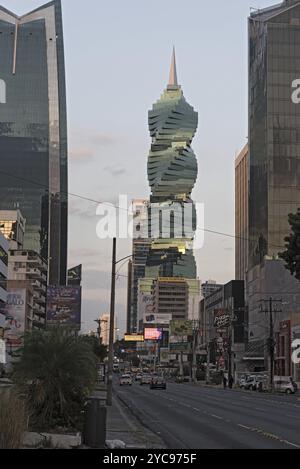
(194, 351)
(111, 325)
(271, 340)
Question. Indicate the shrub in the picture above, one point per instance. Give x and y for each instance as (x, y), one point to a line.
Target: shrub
(56, 373)
(13, 420)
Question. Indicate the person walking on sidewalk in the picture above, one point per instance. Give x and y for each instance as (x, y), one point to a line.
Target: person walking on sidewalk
(231, 382)
(224, 382)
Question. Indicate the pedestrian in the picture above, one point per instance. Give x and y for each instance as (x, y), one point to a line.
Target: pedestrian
(224, 382)
(231, 380)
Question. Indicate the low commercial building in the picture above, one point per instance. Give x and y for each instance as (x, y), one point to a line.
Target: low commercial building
(271, 282)
(3, 271)
(223, 319)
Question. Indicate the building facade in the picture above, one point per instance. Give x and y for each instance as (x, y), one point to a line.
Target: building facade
(12, 226)
(209, 287)
(25, 265)
(104, 329)
(172, 173)
(33, 130)
(241, 213)
(223, 320)
(3, 271)
(274, 126)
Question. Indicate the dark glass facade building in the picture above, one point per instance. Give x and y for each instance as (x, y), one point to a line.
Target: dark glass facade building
(274, 120)
(172, 174)
(33, 130)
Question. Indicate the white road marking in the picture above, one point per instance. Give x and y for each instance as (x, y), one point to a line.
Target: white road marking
(217, 417)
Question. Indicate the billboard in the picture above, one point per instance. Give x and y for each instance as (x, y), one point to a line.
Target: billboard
(222, 318)
(145, 305)
(153, 333)
(160, 319)
(2, 351)
(64, 306)
(181, 327)
(134, 338)
(164, 355)
(15, 312)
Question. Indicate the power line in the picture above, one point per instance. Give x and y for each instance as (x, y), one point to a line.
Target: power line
(98, 202)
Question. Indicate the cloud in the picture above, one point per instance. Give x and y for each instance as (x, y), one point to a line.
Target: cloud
(115, 170)
(103, 139)
(82, 208)
(81, 154)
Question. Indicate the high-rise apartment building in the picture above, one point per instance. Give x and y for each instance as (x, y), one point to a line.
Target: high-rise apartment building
(28, 266)
(241, 213)
(33, 130)
(104, 329)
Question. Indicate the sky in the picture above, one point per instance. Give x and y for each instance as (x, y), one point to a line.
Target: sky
(118, 57)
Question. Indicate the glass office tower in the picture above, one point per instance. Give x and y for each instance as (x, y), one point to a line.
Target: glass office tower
(172, 173)
(33, 130)
(274, 126)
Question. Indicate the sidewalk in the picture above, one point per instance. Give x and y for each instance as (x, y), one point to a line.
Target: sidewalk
(123, 427)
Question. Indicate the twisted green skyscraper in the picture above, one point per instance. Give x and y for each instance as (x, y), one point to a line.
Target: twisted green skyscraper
(172, 173)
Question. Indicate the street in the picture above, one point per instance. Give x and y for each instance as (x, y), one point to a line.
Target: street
(188, 416)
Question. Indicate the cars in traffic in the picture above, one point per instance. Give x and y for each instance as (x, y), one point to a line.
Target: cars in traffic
(158, 382)
(146, 379)
(138, 376)
(126, 380)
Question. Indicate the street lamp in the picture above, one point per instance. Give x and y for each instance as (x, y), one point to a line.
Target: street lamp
(112, 322)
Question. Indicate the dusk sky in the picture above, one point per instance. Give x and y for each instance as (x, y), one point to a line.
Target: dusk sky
(118, 56)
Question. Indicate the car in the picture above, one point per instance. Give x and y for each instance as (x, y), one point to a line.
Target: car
(138, 376)
(158, 382)
(284, 384)
(146, 379)
(251, 383)
(242, 382)
(126, 380)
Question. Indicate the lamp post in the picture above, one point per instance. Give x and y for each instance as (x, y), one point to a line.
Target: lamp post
(112, 322)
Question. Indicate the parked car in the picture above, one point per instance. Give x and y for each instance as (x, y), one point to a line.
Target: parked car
(284, 384)
(158, 383)
(126, 380)
(251, 383)
(138, 376)
(242, 382)
(146, 379)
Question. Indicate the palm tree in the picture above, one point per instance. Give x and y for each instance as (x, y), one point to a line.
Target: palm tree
(56, 373)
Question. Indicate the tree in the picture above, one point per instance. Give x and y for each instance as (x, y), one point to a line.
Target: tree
(99, 350)
(291, 255)
(56, 373)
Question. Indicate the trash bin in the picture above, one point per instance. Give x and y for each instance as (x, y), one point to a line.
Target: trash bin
(94, 434)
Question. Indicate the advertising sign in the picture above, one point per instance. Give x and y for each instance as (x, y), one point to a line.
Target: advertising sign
(145, 305)
(134, 338)
(15, 318)
(164, 355)
(222, 318)
(2, 351)
(180, 347)
(181, 327)
(152, 333)
(159, 319)
(64, 306)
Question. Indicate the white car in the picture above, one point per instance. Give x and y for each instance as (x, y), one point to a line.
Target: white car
(283, 384)
(125, 380)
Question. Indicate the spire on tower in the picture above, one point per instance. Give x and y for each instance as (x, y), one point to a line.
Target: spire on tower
(173, 72)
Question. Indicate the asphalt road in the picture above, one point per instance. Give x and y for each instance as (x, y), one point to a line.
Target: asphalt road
(188, 416)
